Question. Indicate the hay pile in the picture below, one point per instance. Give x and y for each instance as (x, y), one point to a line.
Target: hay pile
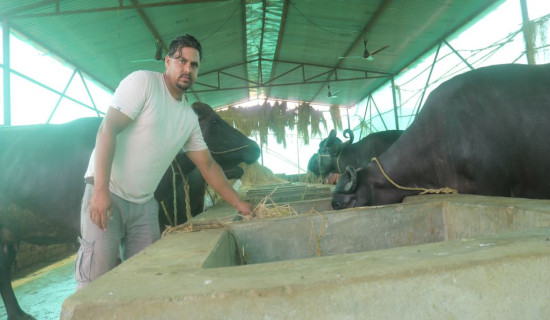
(267, 208)
(312, 178)
(256, 175)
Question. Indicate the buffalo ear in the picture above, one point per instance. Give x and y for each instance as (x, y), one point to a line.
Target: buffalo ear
(201, 109)
(332, 143)
(352, 184)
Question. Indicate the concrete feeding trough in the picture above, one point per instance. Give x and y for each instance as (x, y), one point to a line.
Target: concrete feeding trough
(384, 227)
(454, 256)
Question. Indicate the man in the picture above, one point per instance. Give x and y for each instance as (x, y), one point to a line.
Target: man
(148, 122)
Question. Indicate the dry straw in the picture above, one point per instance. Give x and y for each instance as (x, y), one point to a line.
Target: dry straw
(278, 121)
(336, 118)
(311, 178)
(264, 118)
(304, 115)
(267, 208)
(317, 119)
(256, 175)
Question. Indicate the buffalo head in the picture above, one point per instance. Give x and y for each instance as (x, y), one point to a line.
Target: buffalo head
(228, 146)
(313, 164)
(350, 190)
(329, 150)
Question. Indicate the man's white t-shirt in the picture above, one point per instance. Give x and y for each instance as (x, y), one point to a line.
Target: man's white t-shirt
(161, 127)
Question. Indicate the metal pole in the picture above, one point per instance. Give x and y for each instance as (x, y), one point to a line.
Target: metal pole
(394, 103)
(6, 71)
(379, 114)
(364, 116)
(298, 151)
(527, 33)
(88, 91)
(61, 97)
(459, 55)
(428, 80)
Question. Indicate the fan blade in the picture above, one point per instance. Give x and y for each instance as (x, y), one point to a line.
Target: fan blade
(376, 51)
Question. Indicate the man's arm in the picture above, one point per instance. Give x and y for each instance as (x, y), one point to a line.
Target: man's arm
(105, 145)
(215, 177)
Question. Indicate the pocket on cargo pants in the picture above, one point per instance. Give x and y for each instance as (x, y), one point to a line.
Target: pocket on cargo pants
(83, 264)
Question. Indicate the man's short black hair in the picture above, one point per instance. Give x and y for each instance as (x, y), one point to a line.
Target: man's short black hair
(184, 41)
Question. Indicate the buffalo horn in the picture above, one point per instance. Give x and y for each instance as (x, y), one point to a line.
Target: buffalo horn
(348, 133)
(352, 184)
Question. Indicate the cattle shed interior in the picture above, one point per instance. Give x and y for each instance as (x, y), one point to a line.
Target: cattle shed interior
(287, 50)
(294, 52)
(473, 257)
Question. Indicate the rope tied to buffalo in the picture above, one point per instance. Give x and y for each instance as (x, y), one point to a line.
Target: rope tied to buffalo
(186, 189)
(227, 151)
(338, 156)
(187, 200)
(445, 190)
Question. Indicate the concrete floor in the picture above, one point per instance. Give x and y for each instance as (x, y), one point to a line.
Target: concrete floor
(482, 258)
(42, 292)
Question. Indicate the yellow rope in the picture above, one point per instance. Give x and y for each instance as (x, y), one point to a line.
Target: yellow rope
(312, 232)
(231, 150)
(187, 199)
(166, 214)
(339, 154)
(186, 188)
(446, 190)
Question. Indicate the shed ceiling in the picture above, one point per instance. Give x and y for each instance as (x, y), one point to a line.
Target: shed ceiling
(287, 49)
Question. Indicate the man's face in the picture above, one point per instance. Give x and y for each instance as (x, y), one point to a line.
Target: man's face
(182, 69)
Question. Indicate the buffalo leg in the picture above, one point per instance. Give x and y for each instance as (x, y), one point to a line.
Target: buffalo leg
(7, 257)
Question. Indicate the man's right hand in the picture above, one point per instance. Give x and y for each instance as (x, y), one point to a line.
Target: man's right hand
(100, 208)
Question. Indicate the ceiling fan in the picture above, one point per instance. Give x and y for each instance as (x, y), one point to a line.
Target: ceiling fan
(332, 94)
(368, 55)
(158, 54)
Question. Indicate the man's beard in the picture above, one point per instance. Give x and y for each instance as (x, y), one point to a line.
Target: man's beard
(185, 87)
(182, 87)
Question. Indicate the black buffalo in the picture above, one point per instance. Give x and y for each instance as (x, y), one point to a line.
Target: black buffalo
(170, 216)
(334, 155)
(483, 132)
(41, 182)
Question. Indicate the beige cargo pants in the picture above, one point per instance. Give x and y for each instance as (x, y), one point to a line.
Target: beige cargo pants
(132, 228)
